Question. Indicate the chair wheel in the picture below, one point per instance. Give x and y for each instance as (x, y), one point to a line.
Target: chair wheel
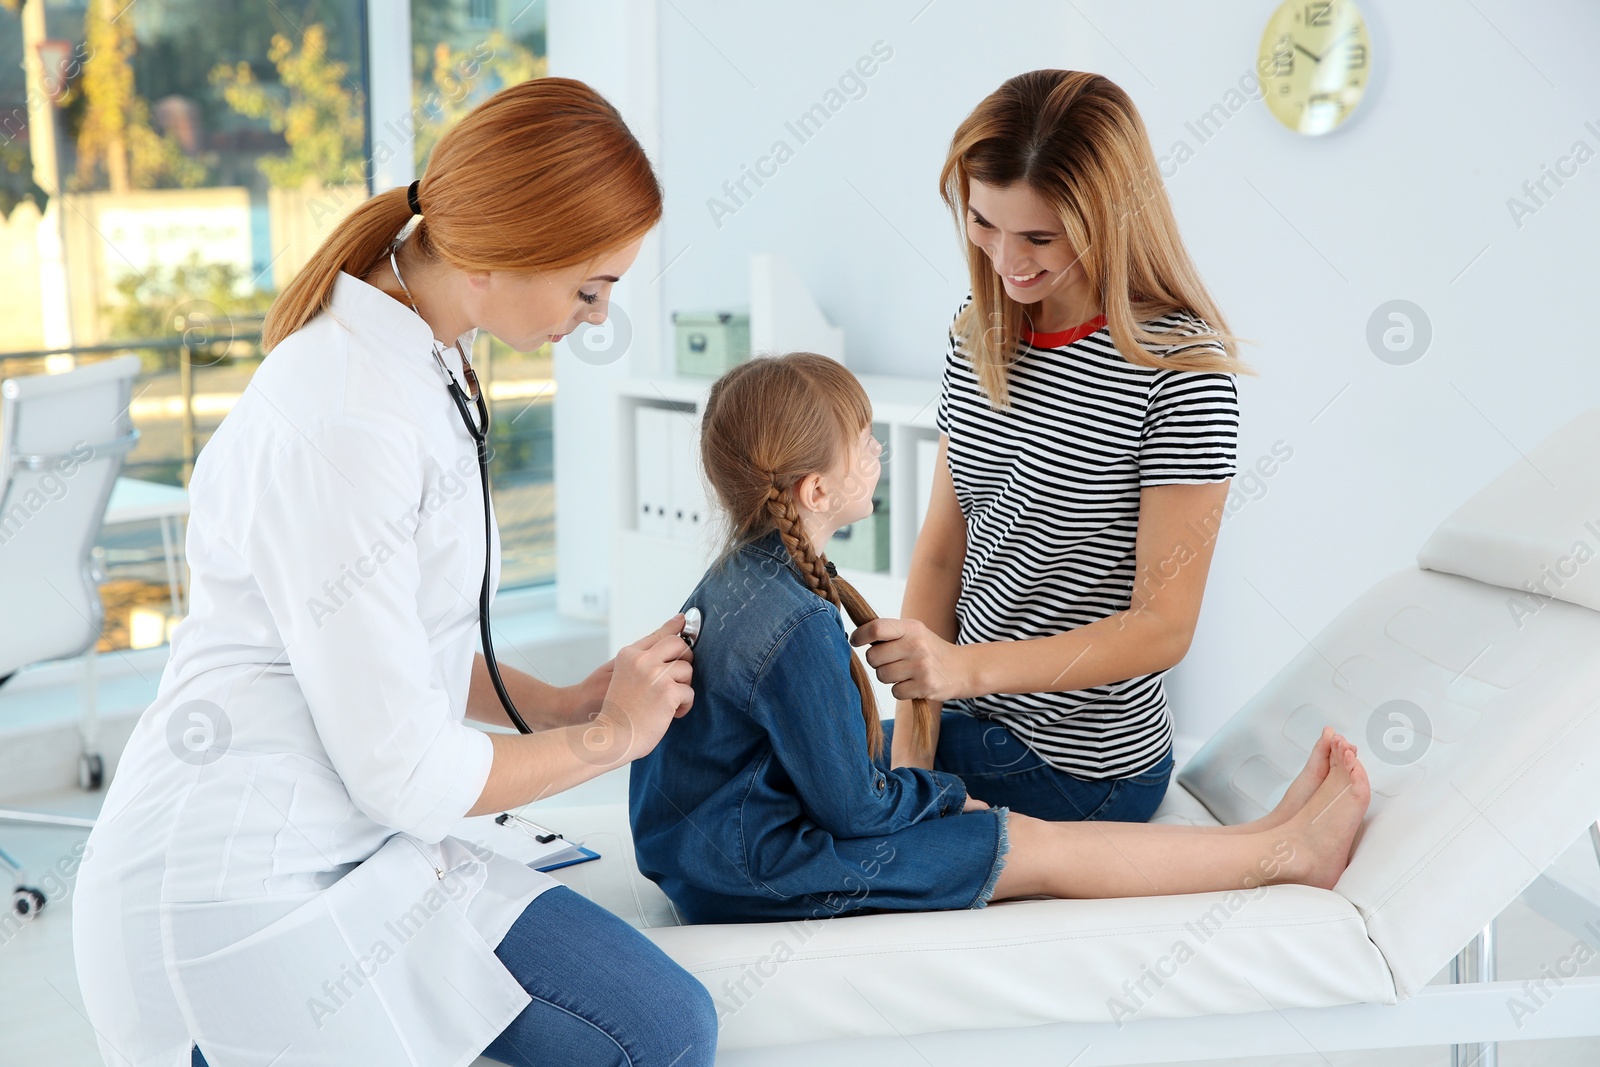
(91, 772)
(27, 903)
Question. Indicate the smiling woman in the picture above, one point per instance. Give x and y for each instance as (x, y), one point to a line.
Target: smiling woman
(1063, 158)
(1090, 420)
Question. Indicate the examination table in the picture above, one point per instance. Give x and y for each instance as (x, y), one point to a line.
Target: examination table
(1475, 704)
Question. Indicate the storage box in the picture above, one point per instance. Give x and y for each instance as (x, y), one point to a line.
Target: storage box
(710, 343)
(863, 545)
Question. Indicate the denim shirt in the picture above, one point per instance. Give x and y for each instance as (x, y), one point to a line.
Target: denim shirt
(745, 806)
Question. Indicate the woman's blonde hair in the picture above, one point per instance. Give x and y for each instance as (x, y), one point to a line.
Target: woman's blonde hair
(543, 175)
(1076, 140)
(767, 424)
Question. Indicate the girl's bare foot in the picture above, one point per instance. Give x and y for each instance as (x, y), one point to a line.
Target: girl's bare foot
(1322, 831)
(1305, 784)
(1295, 797)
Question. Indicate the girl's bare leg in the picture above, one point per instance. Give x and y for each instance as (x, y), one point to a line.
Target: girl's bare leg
(1112, 859)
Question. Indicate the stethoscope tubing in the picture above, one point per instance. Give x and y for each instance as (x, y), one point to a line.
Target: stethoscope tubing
(479, 432)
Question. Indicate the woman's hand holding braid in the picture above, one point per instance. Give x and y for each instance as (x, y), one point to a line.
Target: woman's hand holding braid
(915, 661)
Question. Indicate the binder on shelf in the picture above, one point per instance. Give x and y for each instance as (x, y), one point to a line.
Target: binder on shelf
(687, 500)
(653, 469)
(927, 466)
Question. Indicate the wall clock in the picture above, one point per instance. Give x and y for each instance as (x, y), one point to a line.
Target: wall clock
(1315, 64)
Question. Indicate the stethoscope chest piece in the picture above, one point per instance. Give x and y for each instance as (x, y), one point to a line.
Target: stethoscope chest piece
(692, 620)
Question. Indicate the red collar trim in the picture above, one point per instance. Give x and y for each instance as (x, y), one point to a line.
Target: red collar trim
(1062, 338)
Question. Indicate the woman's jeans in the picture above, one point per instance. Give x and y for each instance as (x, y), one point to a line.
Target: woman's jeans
(1001, 771)
(602, 993)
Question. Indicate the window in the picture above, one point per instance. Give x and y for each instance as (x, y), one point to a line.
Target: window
(462, 52)
(167, 167)
(160, 164)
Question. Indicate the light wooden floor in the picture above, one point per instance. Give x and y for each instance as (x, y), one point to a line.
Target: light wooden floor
(42, 1022)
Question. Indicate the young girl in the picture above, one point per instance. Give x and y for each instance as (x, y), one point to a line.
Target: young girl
(774, 799)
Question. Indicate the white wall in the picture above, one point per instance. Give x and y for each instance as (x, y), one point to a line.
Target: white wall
(856, 210)
(611, 45)
(1299, 238)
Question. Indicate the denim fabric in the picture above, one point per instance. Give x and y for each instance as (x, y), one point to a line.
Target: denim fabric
(603, 994)
(762, 802)
(999, 769)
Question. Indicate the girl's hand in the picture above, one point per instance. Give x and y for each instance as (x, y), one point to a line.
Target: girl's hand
(648, 688)
(915, 661)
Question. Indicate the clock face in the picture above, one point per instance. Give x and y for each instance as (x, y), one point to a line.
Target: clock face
(1314, 63)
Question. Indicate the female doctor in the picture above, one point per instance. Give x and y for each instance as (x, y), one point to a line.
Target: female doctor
(272, 880)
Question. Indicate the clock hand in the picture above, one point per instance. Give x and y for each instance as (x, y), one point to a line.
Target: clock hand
(1308, 52)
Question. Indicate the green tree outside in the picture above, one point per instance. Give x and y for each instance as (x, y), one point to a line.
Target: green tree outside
(319, 110)
(115, 137)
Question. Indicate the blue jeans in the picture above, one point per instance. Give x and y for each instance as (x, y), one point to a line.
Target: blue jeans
(1001, 771)
(602, 993)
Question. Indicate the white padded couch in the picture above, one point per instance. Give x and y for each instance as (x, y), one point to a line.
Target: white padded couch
(1490, 771)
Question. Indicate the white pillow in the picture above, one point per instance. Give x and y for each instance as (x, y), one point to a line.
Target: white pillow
(1536, 528)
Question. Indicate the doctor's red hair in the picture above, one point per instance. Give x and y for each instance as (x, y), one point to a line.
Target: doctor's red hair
(543, 175)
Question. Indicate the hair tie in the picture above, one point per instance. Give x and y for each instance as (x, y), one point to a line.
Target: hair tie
(833, 572)
(411, 197)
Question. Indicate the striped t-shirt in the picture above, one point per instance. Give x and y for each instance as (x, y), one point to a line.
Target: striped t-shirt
(1049, 487)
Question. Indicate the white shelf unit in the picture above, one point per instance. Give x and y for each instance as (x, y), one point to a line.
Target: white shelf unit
(651, 575)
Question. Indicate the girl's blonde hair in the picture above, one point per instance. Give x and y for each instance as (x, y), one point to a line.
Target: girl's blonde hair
(767, 424)
(1076, 140)
(543, 175)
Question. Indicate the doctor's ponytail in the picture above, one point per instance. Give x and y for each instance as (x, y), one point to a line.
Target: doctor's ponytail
(543, 175)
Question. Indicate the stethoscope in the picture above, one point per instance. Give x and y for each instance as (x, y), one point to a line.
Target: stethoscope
(479, 431)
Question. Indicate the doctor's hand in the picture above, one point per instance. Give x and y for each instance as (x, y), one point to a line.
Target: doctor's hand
(914, 661)
(582, 702)
(649, 687)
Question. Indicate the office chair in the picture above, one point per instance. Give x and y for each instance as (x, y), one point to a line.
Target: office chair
(62, 442)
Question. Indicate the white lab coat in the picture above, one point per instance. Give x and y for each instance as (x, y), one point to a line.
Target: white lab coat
(274, 880)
